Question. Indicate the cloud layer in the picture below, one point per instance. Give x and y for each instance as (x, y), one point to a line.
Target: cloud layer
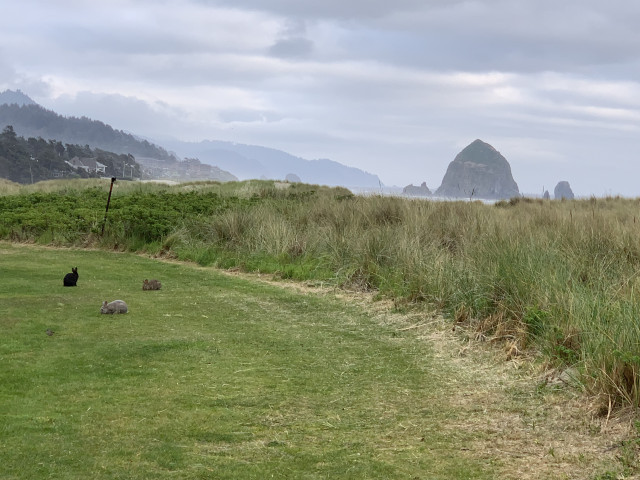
(395, 88)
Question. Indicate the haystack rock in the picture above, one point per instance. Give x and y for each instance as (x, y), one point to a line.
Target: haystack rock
(421, 191)
(563, 190)
(479, 171)
(292, 178)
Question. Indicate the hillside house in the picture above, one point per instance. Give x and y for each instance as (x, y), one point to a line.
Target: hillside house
(89, 165)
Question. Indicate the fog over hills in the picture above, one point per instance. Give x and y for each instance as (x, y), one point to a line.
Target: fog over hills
(252, 161)
(15, 97)
(234, 160)
(29, 119)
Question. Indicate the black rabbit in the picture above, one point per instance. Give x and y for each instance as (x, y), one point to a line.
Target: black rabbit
(70, 279)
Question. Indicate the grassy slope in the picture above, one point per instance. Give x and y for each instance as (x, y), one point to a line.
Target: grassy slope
(210, 377)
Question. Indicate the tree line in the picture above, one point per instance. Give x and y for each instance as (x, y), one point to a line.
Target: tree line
(36, 121)
(29, 160)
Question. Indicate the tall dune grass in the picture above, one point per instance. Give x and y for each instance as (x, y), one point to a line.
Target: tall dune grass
(561, 276)
(557, 276)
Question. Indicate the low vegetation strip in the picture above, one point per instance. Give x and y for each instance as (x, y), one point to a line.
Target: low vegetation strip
(558, 277)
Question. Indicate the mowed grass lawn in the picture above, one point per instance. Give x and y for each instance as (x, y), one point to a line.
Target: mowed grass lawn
(210, 377)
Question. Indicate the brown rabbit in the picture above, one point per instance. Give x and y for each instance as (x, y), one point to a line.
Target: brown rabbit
(151, 285)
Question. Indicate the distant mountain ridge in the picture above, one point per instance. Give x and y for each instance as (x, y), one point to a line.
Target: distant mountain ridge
(252, 161)
(242, 161)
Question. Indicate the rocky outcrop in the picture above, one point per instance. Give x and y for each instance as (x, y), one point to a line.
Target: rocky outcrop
(479, 171)
(563, 190)
(292, 178)
(421, 191)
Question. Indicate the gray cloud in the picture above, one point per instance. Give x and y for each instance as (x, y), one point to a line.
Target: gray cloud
(248, 116)
(292, 42)
(122, 112)
(332, 9)
(395, 88)
(293, 47)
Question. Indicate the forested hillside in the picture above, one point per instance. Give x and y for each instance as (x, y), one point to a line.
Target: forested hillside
(34, 159)
(207, 160)
(36, 121)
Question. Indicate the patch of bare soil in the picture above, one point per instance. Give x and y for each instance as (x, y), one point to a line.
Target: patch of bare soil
(529, 421)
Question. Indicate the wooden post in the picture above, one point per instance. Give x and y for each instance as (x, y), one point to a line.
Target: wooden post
(113, 179)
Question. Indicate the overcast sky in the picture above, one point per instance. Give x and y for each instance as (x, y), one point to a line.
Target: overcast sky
(396, 88)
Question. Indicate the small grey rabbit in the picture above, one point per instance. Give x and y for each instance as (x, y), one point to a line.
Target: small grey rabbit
(151, 285)
(117, 306)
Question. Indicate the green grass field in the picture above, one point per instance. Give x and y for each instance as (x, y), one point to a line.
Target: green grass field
(210, 377)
